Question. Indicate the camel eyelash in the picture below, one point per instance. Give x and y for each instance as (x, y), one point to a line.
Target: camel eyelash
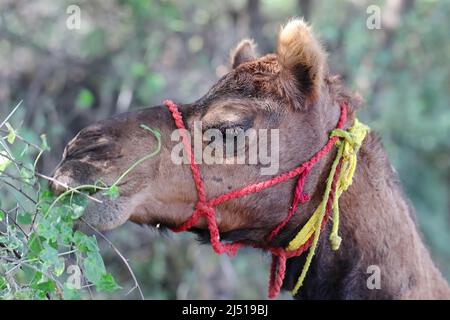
(243, 125)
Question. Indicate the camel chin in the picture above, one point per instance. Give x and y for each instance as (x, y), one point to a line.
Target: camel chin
(107, 215)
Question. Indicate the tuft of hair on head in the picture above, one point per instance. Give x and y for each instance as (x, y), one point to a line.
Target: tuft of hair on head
(303, 60)
(245, 51)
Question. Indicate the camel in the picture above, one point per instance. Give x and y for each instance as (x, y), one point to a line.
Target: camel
(294, 92)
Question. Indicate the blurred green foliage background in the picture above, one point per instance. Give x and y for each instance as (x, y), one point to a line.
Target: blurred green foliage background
(135, 53)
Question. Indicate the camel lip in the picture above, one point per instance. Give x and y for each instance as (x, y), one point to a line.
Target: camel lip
(90, 191)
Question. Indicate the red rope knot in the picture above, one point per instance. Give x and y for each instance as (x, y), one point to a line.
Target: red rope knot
(304, 197)
(205, 208)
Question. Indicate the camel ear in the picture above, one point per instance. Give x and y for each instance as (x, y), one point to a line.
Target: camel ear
(301, 57)
(244, 52)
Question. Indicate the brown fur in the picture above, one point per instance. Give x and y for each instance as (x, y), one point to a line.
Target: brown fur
(244, 52)
(293, 92)
(301, 55)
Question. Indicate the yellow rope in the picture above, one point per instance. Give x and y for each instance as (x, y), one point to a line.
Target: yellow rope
(348, 146)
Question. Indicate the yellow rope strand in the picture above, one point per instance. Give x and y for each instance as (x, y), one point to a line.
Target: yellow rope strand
(320, 213)
(348, 147)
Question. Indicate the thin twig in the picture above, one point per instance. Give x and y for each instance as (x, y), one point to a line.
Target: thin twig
(64, 185)
(11, 158)
(17, 225)
(10, 114)
(20, 191)
(14, 251)
(31, 144)
(67, 252)
(136, 284)
(27, 263)
(19, 263)
(4, 175)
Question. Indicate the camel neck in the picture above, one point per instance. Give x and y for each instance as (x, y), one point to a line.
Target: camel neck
(382, 255)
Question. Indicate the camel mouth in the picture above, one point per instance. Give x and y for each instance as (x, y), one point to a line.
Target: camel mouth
(90, 191)
(59, 187)
(107, 214)
(60, 184)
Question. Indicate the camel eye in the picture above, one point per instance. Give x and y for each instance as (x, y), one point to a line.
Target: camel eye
(235, 127)
(96, 152)
(230, 131)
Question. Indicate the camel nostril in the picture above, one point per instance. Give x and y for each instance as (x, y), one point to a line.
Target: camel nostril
(74, 174)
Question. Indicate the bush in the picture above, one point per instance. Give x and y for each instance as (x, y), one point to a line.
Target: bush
(41, 256)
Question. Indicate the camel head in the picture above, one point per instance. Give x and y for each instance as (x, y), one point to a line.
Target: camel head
(289, 97)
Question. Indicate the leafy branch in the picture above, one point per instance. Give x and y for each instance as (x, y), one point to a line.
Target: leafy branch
(41, 255)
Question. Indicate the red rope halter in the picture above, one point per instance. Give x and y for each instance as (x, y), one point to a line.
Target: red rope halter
(205, 208)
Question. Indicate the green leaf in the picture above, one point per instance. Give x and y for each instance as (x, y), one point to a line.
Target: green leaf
(28, 273)
(41, 286)
(37, 277)
(24, 218)
(4, 288)
(2, 215)
(3, 283)
(46, 195)
(46, 287)
(70, 293)
(44, 143)
(85, 243)
(59, 267)
(77, 212)
(25, 294)
(66, 233)
(49, 255)
(93, 267)
(26, 175)
(107, 283)
(112, 192)
(4, 161)
(78, 204)
(85, 99)
(11, 241)
(46, 229)
(35, 244)
(95, 272)
(11, 134)
(50, 258)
